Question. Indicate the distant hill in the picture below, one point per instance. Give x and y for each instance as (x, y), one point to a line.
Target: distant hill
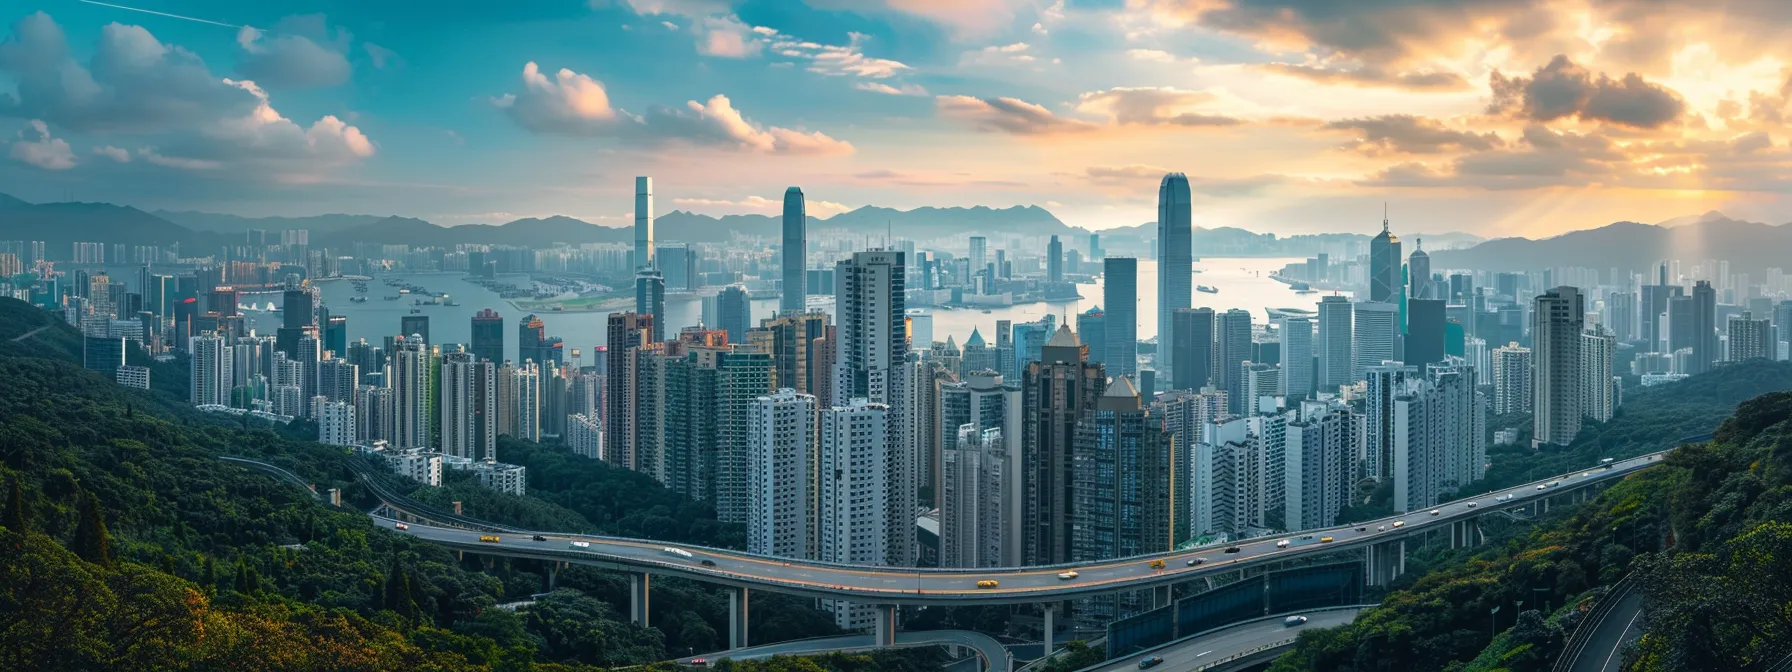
(61, 224)
(1750, 247)
(206, 221)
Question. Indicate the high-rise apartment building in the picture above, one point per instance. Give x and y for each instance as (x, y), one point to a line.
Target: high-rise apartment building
(625, 332)
(857, 498)
(744, 374)
(410, 394)
(1319, 440)
(1377, 328)
(467, 405)
(1057, 392)
(1512, 379)
(1123, 491)
(525, 386)
(1556, 383)
(488, 336)
(1231, 349)
(1175, 264)
(1120, 300)
(1750, 338)
(795, 252)
(1297, 358)
(780, 474)
(871, 356)
(1334, 348)
(1599, 392)
(211, 370)
(977, 498)
(336, 424)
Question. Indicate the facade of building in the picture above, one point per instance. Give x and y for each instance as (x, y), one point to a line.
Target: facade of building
(1057, 392)
(871, 356)
(1175, 265)
(780, 475)
(1511, 379)
(1556, 384)
(1120, 294)
(1336, 359)
(794, 253)
(855, 496)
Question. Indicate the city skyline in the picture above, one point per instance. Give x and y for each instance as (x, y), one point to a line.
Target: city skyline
(1540, 123)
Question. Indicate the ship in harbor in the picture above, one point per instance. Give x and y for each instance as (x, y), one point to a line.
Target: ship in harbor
(1205, 288)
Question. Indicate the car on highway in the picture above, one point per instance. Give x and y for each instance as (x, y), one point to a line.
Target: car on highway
(677, 551)
(581, 544)
(1282, 544)
(1472, 505)
(1554, 483)
(1325, 540)
(1503, 498)
(400, 526)
(489, 538)
(1399, 523)
(1292, 621)
(1606, 461)
(1364, 528)
(1381, 528)
(988, 583)
(539, 538)
(1066, 576)
(1196, 561)
(700, 661)
(1540, 487)
(1434, 512)
(1232, 549)
(708, 562)
(1148, 663)
(1157, 564)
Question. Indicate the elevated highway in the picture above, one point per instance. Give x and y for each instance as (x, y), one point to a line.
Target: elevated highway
(1235, 645)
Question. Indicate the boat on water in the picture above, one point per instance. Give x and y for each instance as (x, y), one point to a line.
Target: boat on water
(1205, 288)
(358, 299)
(414, 311)
(1307, 291)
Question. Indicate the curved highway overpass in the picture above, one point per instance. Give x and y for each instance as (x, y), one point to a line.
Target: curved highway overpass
(994, 656)
(958, 587)
(1230, 644)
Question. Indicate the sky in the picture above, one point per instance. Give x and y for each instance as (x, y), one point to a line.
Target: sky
(1493, 117)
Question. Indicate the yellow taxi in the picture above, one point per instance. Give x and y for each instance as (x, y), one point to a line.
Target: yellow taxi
(987, 583)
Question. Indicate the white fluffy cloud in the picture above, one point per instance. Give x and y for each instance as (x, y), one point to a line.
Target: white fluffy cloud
(880, 87)
(575, 104)
(35, 146)
(117, 154)
(301, 52)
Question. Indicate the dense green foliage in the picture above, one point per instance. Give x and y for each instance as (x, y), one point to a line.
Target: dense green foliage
(1708, 531)
(129, 545)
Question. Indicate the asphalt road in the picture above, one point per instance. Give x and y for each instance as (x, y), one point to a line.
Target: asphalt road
(1604, 651)
(958, 587)
(986, 646)
(1230, 641)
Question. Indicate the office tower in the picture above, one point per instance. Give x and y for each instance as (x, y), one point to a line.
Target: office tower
(488, 336)
(734, 312)
(650, 299)
(858, 499)
(795, 252)
(976, 498)
(978, 356)
(1418, 271)
(584, 437)
(1297, 358)
(1058, 391)
(1599, 398)
(1704, 325)
(1319, 440)
(744, 374)
(1175, 264)
(1680, 328)
(1556, 384)
(1092, 326)
(532, 341)
(978, 254)
(1653, 306)
(103, 354)
(224, 301)
(1751, 338)
(1424, 331)
(417, 325)
(1512, 379)
(1261, 384)
(410, 393)
(298, 307)
(980, 401)
(643, 222)
(1054, 261)
(336, 424)
(525, 388)
(336, 335)
(1377, 325)
(870, 363)
(1123, 490)
(1384, 266)
(1620, 315)
(780, 480)
(310, 352)
(1120, 296)
(1193, 343)
(1337, 361)
(1095, 251)
(337, 378)
(1231, 349)
(463, 433)
(1007, 363)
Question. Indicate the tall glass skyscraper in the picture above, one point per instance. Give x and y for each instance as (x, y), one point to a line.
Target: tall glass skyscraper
(1384, 266)
(643, 221)
(1120, 299)
(796, 221)
(1175, 266)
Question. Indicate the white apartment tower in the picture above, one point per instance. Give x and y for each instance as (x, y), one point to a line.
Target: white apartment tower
(780, 484)
(855, 497)
(870, 363)
(410, 393)
(1511, 379)
(1599, 392)
(336, 424)
(211, 372)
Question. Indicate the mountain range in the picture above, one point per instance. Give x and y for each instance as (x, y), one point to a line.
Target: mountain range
(1750, 247)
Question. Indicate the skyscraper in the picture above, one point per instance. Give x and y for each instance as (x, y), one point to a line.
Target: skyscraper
(734, 311)
(871, 364)
(415, 324)
(1511, 379)
(1194, 348)
(625, 332)
(1120, 298)
(1555, 339)
(1123, 490)
(857, 500)
(488, 335)
(1384, 266)
(1336, 357)
(1704, 324)
(795, 253)
(465, 381)
(744, 374)
(650, 299)
(1297, 358)
(1377, 325)
(1418, 271)
(1058, 391)
(531, 341)
(1751, 338)
(211, 370)
(1319, 440)
(1231, 349)
(976, 497)
(1599, 394)
(410, 394)
(1424, 331)
(780, 477)
(643, 221)
(978, 254)
(1054, 261)
(1092, 332)
(1175, 265)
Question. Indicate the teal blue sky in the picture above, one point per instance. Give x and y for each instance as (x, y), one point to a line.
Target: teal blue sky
(1489, 116)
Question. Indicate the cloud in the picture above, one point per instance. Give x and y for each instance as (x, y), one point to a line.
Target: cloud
(1153, 55)
(1155, 106)
(1134, 175)
(963, 17)
(1541, 158)
(1562, 89)
(1372, 77)
(835, 59)
(382, 57)
(760, 204)
(116, 154)
(880, 87)
(35, 146)
(999, 54)
(1128, 172)
(1009, 115)
(302, 52)
(1407, 134)
(1372, 31)
(727, 37)
(575, 104)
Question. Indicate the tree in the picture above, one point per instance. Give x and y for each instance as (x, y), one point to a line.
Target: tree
(16, 516)
(92, 542)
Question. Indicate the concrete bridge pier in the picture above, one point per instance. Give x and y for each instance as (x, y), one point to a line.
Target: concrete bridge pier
(737, 618)
(1386, 561)
(554, 574)
(1051, 613)
(887, 622)
(638, 594)
(1465, 534)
